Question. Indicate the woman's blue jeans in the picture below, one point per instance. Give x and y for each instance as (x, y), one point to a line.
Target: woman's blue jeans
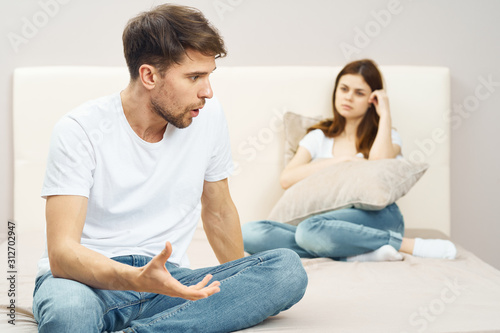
(335, 234)
(252, 289)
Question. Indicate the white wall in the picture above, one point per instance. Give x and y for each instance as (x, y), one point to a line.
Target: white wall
(462, 35)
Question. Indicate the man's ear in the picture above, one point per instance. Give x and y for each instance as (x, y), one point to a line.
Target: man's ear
(148, 76)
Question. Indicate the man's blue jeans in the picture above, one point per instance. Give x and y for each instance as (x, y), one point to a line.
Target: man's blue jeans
(252, 289)
(335, 234)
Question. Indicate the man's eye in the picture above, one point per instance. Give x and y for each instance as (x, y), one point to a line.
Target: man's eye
(194, 78)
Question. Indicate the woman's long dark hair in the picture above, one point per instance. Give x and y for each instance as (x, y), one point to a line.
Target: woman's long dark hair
(367, 129)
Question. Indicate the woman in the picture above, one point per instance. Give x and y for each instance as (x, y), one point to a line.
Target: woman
(361, 128)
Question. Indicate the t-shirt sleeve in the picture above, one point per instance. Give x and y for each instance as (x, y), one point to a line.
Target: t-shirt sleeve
(312, 142)
(71, 161)
(221, 163)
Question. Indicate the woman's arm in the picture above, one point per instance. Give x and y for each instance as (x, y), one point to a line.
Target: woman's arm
(383, 147)
(301, 167)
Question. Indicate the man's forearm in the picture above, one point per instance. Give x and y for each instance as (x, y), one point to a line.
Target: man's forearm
(224, 235)
(221, 221)
(226, 248)
(76, 262)
(71, 260)
(97, 271)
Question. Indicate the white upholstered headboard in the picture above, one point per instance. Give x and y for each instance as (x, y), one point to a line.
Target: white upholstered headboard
(254, 99)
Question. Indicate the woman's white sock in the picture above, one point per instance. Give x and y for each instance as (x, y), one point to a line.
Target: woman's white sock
(434, 248)
(384, 253)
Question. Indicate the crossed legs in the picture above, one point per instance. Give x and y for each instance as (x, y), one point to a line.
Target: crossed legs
(252, 289)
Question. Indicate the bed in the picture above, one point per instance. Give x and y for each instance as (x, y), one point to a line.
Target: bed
(413, 295)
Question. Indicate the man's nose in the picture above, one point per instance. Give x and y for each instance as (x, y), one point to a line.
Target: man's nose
(206, 90)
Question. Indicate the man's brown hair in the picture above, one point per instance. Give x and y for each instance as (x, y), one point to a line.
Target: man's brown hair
(160, 37)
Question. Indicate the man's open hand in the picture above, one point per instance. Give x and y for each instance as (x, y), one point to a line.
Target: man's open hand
(155, 278)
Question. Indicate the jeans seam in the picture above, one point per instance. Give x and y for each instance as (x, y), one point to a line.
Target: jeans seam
(243, 271)
(222, 268)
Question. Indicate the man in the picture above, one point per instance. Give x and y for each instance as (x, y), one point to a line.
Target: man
(118, 208)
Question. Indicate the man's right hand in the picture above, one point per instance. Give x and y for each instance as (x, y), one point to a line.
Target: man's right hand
(155, 278)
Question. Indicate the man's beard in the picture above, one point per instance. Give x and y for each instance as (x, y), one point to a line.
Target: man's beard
(179, 121)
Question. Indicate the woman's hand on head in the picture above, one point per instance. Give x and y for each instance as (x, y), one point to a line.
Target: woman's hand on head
(380, 100)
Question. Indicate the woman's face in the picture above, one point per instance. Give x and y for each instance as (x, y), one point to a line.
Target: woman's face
(351, 99)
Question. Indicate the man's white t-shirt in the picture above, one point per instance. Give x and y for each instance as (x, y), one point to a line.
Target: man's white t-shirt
(140, 194)
(320, 146)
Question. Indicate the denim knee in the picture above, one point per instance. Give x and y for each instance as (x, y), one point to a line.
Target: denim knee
(306, 238)
(254, 236)
(251, 229)
(62, 305)
(289, 276)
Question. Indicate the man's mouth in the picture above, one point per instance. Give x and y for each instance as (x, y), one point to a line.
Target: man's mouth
(195, 112)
